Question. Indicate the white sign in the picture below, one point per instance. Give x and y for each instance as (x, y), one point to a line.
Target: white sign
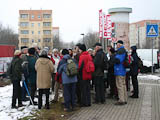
(100, 24)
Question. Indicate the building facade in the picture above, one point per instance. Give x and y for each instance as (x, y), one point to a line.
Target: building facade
(137, 35)
(120, 18)
(35, 26)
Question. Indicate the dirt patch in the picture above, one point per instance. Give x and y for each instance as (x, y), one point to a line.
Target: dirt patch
(4, 82)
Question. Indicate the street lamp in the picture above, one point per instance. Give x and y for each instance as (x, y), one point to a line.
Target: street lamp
(83, 36)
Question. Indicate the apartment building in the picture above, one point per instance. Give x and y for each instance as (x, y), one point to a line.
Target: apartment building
(137, 35)
(35, 26)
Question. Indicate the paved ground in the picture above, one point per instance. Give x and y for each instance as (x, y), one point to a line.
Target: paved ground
(147, 107)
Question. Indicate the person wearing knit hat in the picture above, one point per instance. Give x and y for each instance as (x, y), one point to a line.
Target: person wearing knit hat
(84, 59)
(32, 73)
(16, 76)
(82, 47)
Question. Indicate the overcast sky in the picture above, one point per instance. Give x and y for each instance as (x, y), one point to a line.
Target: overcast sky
(77, 16)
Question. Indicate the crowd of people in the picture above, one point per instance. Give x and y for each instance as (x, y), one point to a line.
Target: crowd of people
(76, 71)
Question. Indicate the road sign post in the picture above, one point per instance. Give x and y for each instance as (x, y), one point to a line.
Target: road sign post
(152, 31)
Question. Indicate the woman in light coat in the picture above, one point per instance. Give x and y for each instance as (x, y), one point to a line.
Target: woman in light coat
(45, 68)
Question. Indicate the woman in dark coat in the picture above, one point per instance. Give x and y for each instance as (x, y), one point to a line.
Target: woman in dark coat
(134, 72)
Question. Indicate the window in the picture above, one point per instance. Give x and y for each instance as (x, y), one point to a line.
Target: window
(32, 40)
(39, 16)
(24, 40)
(24, 15)
(45, 24)
(47, 40)
(24, 24)
(39, 32)
(32, 32)
(32, 24)
(24, 32)
(32, 16)
(46, 32)
(46, 15)
(39, 24)
(39, 40)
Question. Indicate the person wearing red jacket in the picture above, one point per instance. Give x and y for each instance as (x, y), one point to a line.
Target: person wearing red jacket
(85, 77)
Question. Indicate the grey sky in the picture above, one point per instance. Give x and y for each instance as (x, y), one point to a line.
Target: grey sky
(77, 16)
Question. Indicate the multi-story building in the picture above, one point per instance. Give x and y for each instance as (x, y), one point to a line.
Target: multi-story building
(137, 34)
(35, 26)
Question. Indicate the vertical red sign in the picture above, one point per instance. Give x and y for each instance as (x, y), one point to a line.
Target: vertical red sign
(100, 24)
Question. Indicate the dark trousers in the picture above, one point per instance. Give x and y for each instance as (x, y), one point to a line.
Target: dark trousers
(99, 88)
(112, 84)
(135, 85)
(41, 92)
(79, 91)
(16, 93)
(69, 94)
(86, 95)
(32, 90)
(53, 81)
(24, 92)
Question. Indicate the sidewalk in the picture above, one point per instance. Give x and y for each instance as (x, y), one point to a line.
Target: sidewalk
(147, 107)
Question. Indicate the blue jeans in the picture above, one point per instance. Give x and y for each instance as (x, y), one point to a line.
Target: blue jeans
(69, 95)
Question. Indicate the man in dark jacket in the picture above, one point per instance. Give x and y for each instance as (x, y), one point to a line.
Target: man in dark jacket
(134, 71)
(99, 73)
(32, 73)
(120, 73)
(16, 75)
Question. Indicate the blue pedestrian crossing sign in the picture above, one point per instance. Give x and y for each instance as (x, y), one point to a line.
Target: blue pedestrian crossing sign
(152, 30)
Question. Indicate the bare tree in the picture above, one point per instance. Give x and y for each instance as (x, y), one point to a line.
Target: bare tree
(7, 36)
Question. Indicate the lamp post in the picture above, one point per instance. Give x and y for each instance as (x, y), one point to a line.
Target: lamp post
(83, 36)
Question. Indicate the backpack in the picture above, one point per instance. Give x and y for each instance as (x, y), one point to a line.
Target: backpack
(126, 63)
(25, 68)
(90, 68)
(140, 63)
(71, 69)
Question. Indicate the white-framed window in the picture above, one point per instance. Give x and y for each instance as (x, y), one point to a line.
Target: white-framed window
(24, 31)
(32, 24)
(46, 15)
(39, 16)
(24, 16)
(24, 40)
(32, 16)
(46, 32)
(46, 39)
(32, 32)
(39, 24)
(39, 40)
(46, 24)
(24, 24)
(39, 32)
(32, 40)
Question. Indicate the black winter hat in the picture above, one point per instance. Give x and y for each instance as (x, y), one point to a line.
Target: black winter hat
(65, 52)
(120, 41)
(82, 47)
(97, 44)
(134, 48)
(78, 44)
(31, 51)
(23, 47)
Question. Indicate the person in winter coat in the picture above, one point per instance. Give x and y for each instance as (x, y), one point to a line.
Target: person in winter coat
(44, 68)
(120, 72)
(134, 72)
(69, 82)
(86, 77)
(32, 73)
(16, 76)
(99, 73)
(111, 76)
(78, 84)
(24, 51)
(55, 59)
